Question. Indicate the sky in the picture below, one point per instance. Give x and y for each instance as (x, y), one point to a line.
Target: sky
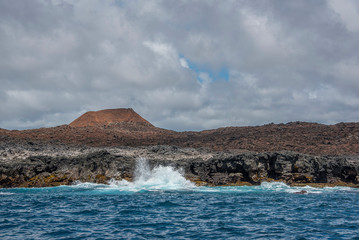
(182, 65)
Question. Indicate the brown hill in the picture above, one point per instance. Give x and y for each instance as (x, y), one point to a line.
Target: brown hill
(109, 116)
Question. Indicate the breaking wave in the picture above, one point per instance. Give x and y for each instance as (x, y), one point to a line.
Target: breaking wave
(158, 178)
(167, 178)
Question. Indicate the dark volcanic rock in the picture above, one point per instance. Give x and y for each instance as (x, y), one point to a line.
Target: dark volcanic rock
(42, 171)
(52, 166)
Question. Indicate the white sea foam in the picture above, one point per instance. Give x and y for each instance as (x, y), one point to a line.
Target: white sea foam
(158, 178)
(6, 193)
(282, 187)
(278, 187)
(87, 185)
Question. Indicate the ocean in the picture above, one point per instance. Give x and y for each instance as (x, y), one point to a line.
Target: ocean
(162, 204)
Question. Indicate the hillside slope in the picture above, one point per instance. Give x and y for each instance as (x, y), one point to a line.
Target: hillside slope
(124, 127)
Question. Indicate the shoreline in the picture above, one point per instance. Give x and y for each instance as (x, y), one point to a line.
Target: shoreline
(205, 184)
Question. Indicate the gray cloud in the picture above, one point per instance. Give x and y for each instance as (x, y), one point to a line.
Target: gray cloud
(286, 61)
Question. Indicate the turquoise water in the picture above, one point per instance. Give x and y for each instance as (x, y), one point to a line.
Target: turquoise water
(161, 204)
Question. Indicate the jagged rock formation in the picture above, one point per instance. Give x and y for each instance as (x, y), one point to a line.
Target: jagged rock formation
(51, 166)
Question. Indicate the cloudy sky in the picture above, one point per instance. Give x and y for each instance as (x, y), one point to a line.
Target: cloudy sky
(182, 65)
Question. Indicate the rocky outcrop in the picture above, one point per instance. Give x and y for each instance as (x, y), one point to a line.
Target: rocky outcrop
(34, 165)
(289, 167)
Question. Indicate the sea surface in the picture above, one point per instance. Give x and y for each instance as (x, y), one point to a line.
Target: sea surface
(162, 204)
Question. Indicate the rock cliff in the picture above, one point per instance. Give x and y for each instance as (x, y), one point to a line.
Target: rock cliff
(39, 166)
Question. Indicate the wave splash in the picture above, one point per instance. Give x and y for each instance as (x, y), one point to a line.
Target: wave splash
(162, 178)
(158, 178)
(277, 187)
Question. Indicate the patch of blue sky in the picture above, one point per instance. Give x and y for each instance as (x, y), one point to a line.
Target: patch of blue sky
(120, 3)
(200, 69)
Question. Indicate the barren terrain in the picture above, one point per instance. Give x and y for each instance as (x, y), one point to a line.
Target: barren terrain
(124, 127)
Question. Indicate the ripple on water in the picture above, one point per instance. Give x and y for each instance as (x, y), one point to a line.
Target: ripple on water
(99, 211)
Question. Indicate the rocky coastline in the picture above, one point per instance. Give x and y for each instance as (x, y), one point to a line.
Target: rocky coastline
(104, 145)
(43, 165)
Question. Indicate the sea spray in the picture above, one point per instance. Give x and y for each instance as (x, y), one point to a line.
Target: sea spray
(162, 178)
(142, 170)
(158, 178)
